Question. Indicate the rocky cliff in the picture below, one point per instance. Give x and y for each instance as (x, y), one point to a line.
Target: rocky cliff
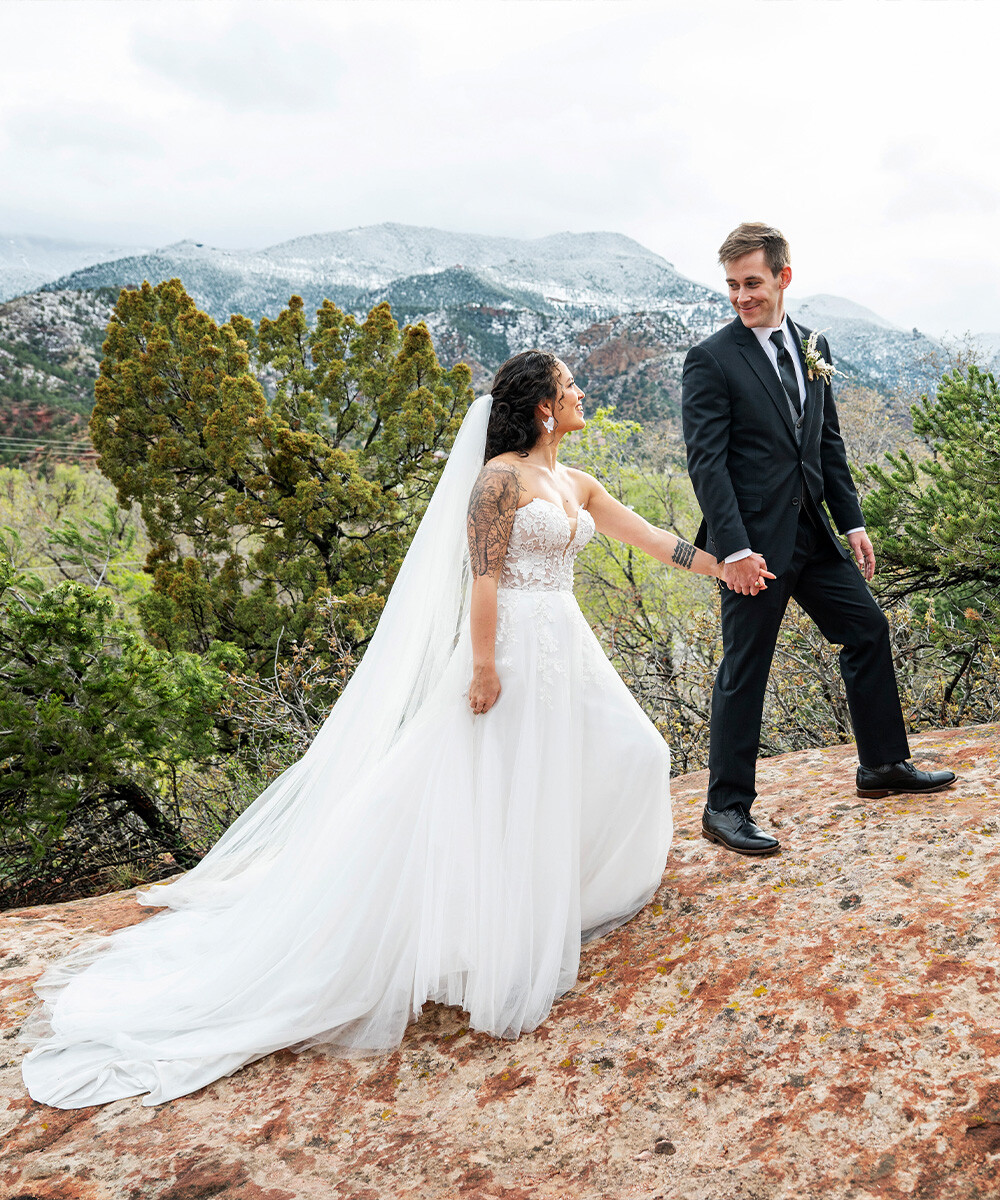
(822, 1023)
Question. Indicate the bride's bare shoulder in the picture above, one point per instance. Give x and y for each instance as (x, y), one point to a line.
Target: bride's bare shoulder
(583, 485)
(510, 458)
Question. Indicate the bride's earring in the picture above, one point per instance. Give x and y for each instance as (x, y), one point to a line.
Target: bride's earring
(550, 424)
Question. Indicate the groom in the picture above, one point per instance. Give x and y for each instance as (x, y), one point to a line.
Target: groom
(764, 454)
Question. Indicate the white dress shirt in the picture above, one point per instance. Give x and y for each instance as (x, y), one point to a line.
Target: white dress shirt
(763, 335)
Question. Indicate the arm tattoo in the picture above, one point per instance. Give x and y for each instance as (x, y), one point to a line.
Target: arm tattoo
(683, 554)
(491, 516)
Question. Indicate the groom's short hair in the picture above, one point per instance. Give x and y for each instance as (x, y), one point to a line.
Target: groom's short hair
(754, 235)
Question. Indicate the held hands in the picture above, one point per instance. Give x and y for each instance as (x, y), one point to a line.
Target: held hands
(747, 576)
(484, 689)
(863, 552)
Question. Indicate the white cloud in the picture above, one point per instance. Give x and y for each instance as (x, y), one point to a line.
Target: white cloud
(84, 132)
(265, 67)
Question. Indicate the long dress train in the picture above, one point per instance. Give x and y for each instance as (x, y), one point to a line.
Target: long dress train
(472, 860)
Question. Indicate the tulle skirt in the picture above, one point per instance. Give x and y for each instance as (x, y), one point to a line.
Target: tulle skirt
(467, 867)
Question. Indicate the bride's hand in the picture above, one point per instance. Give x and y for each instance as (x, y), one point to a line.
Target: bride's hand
(484, 689)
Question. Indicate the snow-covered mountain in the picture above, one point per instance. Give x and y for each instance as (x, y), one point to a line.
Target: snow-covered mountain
(483, 298)
(484, 294)
(602, 273)
(814, 309)
(621, 316)
(878, 353)
(576, 270)
(28, 262)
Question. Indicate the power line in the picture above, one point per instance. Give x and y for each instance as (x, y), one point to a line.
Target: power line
(62, 442)
(69, 451)
(27, 453)
(13, 437)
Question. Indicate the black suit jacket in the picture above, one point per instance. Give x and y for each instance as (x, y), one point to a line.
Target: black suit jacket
(747, 470)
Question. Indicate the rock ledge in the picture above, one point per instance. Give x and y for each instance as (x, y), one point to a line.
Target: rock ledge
(825, 1022)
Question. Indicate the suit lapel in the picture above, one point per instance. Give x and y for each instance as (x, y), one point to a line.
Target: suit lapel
(757, 358)
(814, 387)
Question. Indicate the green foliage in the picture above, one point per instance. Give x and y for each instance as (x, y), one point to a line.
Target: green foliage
(94, 724)
(646, 472)
(92, 545)
(67, 525)
(262, 505)
(937, 519)
(30, 502)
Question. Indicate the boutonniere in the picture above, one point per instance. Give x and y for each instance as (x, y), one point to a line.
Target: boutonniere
(816, 364)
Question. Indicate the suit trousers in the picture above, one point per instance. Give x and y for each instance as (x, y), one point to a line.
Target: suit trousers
(832, 591)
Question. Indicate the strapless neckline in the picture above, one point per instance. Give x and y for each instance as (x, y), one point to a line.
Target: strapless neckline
(574, 525)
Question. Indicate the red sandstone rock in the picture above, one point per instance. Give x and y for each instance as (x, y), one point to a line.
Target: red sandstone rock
(615, 356)
(820, 1024)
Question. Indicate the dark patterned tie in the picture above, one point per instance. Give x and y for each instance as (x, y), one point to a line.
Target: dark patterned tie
(786, 371)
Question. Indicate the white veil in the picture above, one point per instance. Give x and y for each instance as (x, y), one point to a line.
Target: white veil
(404, 660)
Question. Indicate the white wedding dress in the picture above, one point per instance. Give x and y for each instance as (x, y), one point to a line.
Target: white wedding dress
(465, 865)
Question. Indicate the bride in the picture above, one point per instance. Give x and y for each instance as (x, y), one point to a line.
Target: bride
(440, 840)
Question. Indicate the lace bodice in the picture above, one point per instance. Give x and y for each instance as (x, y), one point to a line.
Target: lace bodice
(542, 547)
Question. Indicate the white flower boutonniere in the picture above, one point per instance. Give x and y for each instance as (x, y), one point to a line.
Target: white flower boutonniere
(816, 364)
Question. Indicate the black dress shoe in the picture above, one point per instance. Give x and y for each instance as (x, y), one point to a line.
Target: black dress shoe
(737, 830)
(874, 782)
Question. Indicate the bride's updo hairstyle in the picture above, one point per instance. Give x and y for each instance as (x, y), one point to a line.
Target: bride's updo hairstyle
(523, 382)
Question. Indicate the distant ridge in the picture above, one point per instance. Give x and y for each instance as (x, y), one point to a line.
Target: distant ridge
(878, 353)
(602, 274)
(815, 309)
(28, 262)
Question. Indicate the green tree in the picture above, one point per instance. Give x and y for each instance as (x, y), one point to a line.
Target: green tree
(937, 519)
(33, 504)
(94, 725)
(263, 500)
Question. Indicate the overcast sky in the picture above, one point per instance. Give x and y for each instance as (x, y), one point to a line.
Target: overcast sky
(867, 130)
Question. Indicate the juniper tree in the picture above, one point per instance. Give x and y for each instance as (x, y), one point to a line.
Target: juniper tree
(937, 518)
(262, 505)
(94, 723)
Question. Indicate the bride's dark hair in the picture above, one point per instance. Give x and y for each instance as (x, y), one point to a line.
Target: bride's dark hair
(524, 381)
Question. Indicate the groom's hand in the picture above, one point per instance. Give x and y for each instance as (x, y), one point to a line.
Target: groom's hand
(863, 552)
(746, 575)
